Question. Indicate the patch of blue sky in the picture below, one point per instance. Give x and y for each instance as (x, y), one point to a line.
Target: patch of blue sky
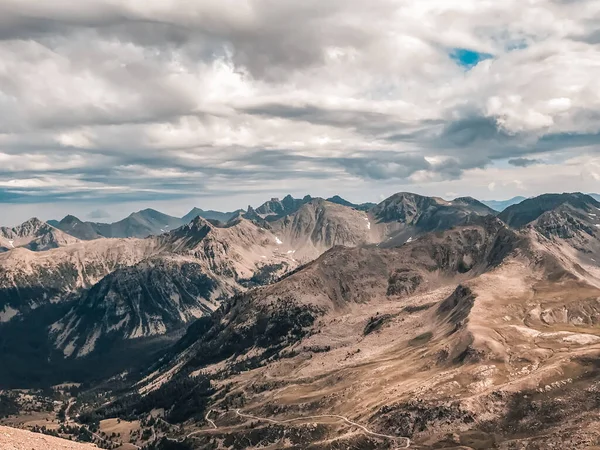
(468, 58)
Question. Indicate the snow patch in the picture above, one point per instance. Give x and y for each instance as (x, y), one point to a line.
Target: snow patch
(118, 325)
(582, 339)
(69, 349)
(137, 332)
(526, 331)
(409, 240)
(7, 314)
(368, 223)
(278, 241)
(291, 252)
(157, 327)
(90, 343)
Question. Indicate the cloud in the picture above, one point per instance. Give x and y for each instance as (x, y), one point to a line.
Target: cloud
(106, 101)
(524, 162)
(98, 214)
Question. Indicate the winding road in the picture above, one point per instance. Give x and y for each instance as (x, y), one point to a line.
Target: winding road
(329, 416)
(208, 420)
(405, 440)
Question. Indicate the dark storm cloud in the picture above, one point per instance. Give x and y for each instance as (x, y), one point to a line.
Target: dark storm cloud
(524, 162)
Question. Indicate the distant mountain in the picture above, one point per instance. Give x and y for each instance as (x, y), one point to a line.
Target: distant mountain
(223, 217)
(340, 201)
(140, 224)
(595, 196)
(474, 205)
(501, 205)
(275, 208)
(532, 209)
(33, 235)
(319, 225)
(406, 214)
(75, 227)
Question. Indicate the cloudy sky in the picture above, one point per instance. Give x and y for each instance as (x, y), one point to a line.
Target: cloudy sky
(109, 106)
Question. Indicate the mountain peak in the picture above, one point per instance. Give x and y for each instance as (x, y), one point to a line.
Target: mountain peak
(34, 221)
(70, 219)
(197, 227)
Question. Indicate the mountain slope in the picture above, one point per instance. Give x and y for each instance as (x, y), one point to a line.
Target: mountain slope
(124, 292)
(190, 271)
(155, 297)
(16, 439)
(427, 213)
(319, 225)
(343, 278)
(30, 279)
(34, 235)
(475, 205)
(404, 216)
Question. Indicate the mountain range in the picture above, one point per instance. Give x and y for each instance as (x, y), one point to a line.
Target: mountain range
(130, 290)
(480, 336)
(429, 322)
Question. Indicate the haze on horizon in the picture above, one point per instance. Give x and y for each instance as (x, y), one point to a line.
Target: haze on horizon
(113, 106)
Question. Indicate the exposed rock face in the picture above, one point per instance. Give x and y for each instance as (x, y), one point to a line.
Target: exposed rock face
(30, 279)
(320, 225)
(152, 298)
(275, 208)
(190, 271)
(566, 224)
(34, 235)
